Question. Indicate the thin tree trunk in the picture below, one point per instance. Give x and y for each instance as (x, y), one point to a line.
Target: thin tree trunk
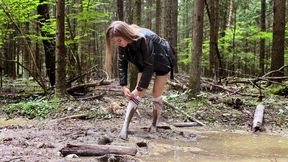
(234, 42)
(158, 17)
(120, 9)
(149, 14)
(174, 25)
(60, 49)
(194, 80)
(278, 37)
(167, 20)
(49, 45)
(132, 68)
(213, 68)
(262, 41)
(26, 58)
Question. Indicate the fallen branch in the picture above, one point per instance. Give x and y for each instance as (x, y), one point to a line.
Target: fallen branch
(92, 97)
(274, 71)
(83, 86)
(97, 150)
(231, 92)
(185, 124)
(184, 113)
(78, 116)
(177, 85)
(91, 70)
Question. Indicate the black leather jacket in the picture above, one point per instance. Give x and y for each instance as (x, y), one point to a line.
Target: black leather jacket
(149, 53)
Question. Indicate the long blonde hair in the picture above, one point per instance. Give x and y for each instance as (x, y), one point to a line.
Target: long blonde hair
(118, 29)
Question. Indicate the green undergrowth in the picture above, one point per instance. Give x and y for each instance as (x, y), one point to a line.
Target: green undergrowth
(99, 113)
(219, 108)
(32, 109)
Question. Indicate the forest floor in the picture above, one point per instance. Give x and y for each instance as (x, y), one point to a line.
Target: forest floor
(95, 120)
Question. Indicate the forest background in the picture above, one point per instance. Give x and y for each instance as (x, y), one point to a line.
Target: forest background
(58, 47)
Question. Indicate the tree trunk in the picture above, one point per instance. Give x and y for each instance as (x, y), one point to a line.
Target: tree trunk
(194, 80)
(49, 45)
(158, 17)
(262, 41)
(26, 58)
(37, 57)
(233, 41)
(174, 25)
(214, 65)
(120, 10)
(167, 20)
(9, 54)
(128, 9)
(278, 37)
(60, 49)
(148, 22)
(133, 72)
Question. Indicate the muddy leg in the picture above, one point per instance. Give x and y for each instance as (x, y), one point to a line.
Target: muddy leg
(131, 109)
(158, 104)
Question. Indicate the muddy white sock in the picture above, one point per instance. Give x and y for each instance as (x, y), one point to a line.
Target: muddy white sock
(158, 104)
(131, 108)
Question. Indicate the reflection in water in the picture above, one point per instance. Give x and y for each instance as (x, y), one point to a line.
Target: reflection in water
(220, 146)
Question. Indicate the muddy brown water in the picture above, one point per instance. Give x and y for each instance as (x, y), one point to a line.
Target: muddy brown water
(210, 145)
(222, 146)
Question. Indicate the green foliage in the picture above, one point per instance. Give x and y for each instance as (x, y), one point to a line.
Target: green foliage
(99, 113)
(16, 12)
(184, 51)
(32, 109)
(87, 14)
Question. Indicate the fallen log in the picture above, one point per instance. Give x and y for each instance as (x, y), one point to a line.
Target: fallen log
(97, 150)
(77, 116)
(185, 124)
(258, 117)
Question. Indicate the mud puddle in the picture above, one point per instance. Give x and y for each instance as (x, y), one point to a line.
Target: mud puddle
(221, 146)
(23, 140)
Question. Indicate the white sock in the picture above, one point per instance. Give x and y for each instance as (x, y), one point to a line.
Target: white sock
(157, 99)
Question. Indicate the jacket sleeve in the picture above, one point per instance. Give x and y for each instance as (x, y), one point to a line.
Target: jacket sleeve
(146, 47)
(123, 67)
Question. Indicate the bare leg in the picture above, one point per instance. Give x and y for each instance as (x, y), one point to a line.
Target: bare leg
(157, 100)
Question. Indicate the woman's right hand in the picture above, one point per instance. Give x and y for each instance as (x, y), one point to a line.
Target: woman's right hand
(126, 92)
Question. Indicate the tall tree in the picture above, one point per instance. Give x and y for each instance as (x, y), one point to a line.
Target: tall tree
(278, 36)
(262, 41)
(128, 9)
(213, 66)
(49, 44)
(132, 68)
(120, 10)
(194, 80)
(174, 26)
(158, 17)
(167, 20)
(60, 49)
(149, 14)
(26, 58)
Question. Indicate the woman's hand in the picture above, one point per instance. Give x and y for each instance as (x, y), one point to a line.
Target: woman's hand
(126, 92)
